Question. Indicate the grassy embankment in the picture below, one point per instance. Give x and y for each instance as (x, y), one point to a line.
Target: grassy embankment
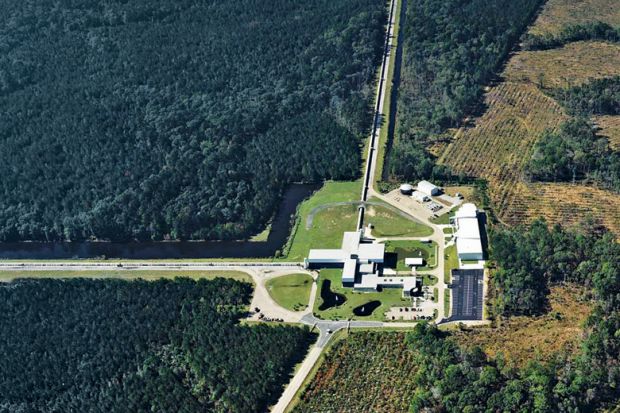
(387, 104)
(291, 291)
(127, 274)
(389, 297)
(451, 262)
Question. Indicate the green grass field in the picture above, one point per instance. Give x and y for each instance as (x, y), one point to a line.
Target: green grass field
(328, 225)
(442, 219)
(389, 297)
(126, 274)
(451, 262)
(387, 223)
(291, 291)
(410, 249)
(446, 302)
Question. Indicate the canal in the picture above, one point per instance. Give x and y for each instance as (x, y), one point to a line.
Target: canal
(280, 230)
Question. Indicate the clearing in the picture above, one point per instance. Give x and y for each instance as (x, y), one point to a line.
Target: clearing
(353, 379)
(557, 14)
(522, 339)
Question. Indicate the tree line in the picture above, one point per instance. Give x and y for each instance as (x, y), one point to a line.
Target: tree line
(596, 97)
(575, 152)
(455, 379)
(177, 120)
(451, 50)
(572, 33)
(139, 346)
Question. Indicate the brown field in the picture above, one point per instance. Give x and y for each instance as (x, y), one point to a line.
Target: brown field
(559, 13)
(499, 144)
(610, 128)
(366, 372)
(522, 339)
(570, 65)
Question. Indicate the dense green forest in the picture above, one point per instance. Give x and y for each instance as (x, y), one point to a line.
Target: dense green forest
(117, 346)
(451, 50)
(153, 119)
(575, 152)
(454, 379)
(596, 97)
(572, 33)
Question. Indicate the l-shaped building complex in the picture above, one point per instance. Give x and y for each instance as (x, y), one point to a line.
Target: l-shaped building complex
(360, 260)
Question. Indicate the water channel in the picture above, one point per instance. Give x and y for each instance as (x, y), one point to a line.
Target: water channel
(280, 230)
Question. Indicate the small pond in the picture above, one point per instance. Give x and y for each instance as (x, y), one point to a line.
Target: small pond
(366, 309)
(330, 298)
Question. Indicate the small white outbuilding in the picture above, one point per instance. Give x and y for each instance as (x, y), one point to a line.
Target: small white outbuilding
(428, 188)
(414, 262)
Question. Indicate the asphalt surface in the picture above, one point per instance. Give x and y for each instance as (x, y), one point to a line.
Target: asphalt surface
(467, 294)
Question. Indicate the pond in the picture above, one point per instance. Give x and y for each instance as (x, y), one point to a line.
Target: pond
(366, 309)
(330, 298)
(280, 230)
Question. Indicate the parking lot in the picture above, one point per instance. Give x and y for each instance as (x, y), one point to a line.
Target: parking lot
(467, 294)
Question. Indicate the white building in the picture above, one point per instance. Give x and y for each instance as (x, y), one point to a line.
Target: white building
(420, 197)
(468, 240)
(414, 262)
(428, 188)
(360, 262)
(355, 256)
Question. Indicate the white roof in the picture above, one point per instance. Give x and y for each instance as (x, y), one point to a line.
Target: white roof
(367, 281)
(467, 210)
(427, 187)
(414, 261)
(468, 246)
(420, 196)
(406, 187)
(367, 268)
(374, 281)
(468, 228)
(350, 241)
(348, 271)
(327, 255)
(371, 252)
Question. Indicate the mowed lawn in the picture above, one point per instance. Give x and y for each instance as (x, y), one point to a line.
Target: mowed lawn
(389, 297)
(398, 251)
(451, 262)
(388, 223)
(291, 291)
(329, 224)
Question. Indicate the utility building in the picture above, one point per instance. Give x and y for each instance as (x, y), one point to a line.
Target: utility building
(468, 240)
(428, 188)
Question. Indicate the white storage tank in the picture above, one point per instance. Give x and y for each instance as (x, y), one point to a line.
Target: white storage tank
(406, 189)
